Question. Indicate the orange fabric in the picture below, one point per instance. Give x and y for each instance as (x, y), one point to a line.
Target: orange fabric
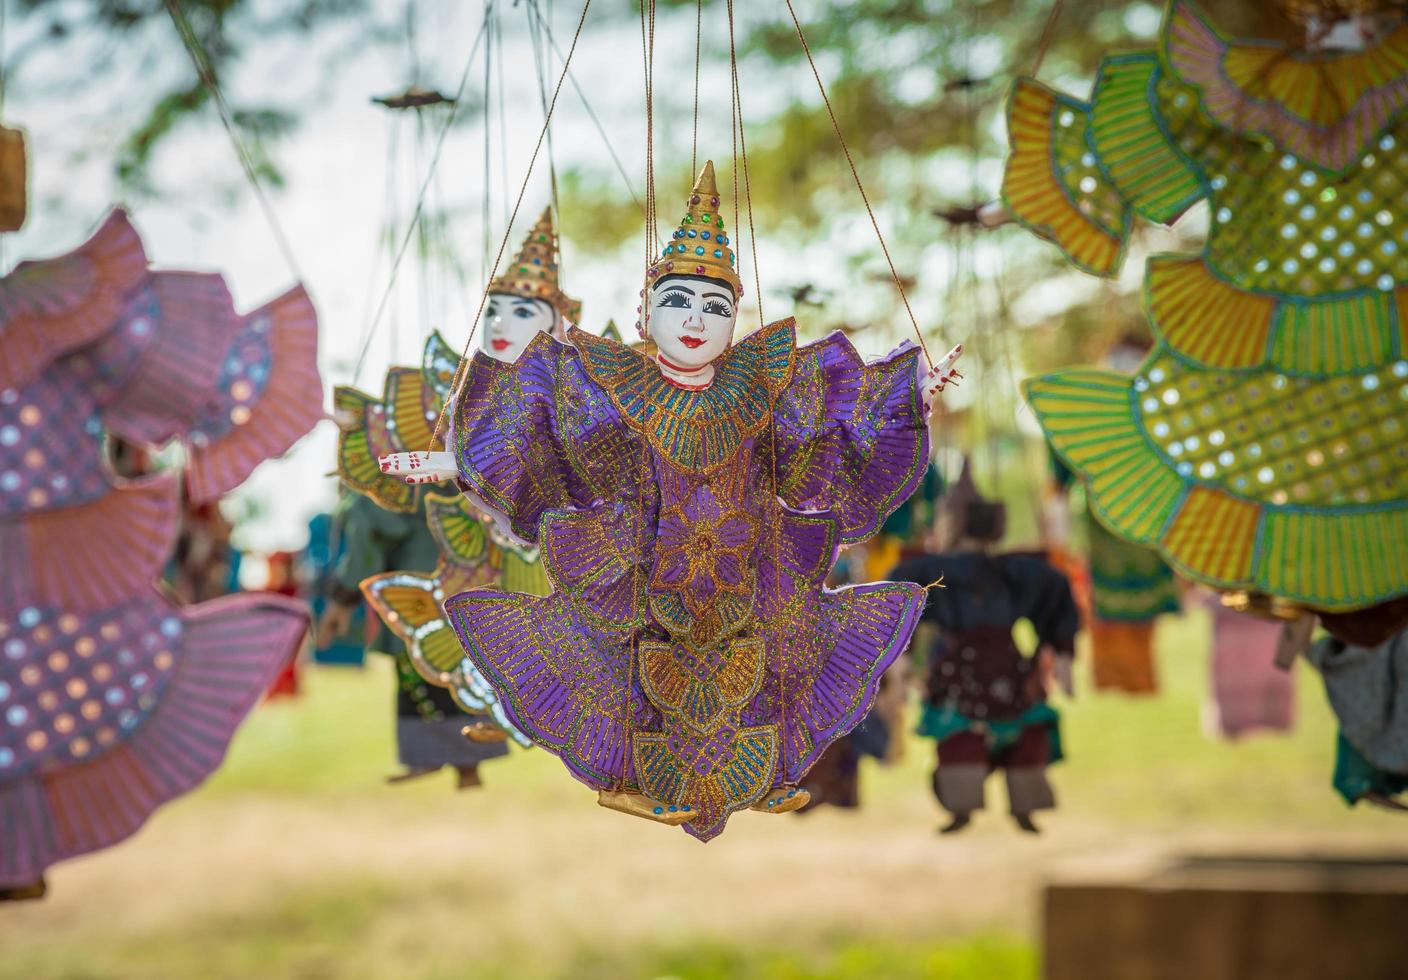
(1123, 656)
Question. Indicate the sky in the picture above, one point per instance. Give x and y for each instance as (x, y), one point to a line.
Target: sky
(349, 167)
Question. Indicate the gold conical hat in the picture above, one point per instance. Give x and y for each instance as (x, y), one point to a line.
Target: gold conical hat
(533, 272)
(700, 246)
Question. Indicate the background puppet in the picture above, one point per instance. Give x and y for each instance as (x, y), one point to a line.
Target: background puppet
(405, 549)
(985, 702)
(114, 698)
(689, 662)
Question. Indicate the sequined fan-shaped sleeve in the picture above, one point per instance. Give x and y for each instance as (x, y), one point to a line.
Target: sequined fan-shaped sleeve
(538, 434)
(1077, 169)
(852, 437)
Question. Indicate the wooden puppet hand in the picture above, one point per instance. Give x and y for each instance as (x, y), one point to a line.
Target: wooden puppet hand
(416, 468)
(1061, 671)
(335, 621)
(934, 380)
(993, 214)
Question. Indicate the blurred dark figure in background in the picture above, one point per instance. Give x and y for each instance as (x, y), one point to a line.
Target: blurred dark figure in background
(985, 702)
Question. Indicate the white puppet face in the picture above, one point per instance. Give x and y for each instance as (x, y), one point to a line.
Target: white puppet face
(511, 323)
(691, 320)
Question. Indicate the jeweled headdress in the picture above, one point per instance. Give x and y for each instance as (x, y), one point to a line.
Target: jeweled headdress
(533, 272)
(700, 246)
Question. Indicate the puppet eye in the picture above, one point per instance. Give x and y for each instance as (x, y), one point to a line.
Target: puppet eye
(676, 299)
(718, 307)
(524, 312)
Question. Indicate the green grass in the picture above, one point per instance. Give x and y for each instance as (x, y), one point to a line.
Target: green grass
(1146, 758)
(279, 867)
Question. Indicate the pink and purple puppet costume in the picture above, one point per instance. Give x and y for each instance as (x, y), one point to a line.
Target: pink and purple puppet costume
(113, 698)
(690, 662)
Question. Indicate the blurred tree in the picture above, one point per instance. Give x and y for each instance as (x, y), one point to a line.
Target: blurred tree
(90, 39)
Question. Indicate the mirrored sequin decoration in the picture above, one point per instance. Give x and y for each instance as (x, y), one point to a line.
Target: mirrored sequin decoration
(1262, 445)
(113, 699)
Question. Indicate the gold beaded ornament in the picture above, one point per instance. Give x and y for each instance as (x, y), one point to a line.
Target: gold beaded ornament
(533, 272)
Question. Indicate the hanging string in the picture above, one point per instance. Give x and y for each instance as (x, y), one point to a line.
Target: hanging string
(206, 73)
(586, 105)
(420, 198)
(503, 243)
(743, 147)
(4, 64)
(1035, 471)
(486, 226)
(1047, 34)
(386, 229)
(855, 174)
(4, 72)
(503, 114)
(540, 64)
(647, 34)
(694, 131)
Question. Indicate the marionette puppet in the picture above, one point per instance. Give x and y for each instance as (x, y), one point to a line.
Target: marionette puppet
(405, 549)
(113, 698)
(688, 507)
(985, 701)
(1261, 445)
(1367, 688)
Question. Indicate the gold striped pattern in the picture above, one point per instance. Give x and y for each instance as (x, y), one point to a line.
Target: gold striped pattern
(1400, 304)
(414, 407)
(1324, 108)
(1150, 174)
(1089, 418)
(457, 528)
(1322, 91)
(1033, 194)
(1204, 318)
(1213, 536)
(522, 575)
(357, 464)
(1334, 336)
(1335, 560)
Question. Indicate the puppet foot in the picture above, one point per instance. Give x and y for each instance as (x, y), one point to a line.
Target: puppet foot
(468, 777)
(959, 821)
(484, 732)
(1025, 823)
(784, 801)
(1384, 802)
(640, 805)
(24, 893)
(413, 772)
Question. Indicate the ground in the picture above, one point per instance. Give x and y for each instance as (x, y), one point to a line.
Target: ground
(296, 860)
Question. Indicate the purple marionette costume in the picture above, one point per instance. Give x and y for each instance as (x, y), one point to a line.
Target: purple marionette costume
(690, 651)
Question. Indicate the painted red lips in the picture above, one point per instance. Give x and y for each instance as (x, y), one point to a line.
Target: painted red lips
(692, 342)
(500, 344)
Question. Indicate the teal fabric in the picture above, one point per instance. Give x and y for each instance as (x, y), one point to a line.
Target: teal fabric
(941, 723)
(376, 541)
(1355, 775)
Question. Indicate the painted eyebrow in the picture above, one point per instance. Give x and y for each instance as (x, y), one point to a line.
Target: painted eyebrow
(682, 288)
(519, 301)
(722, 296)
